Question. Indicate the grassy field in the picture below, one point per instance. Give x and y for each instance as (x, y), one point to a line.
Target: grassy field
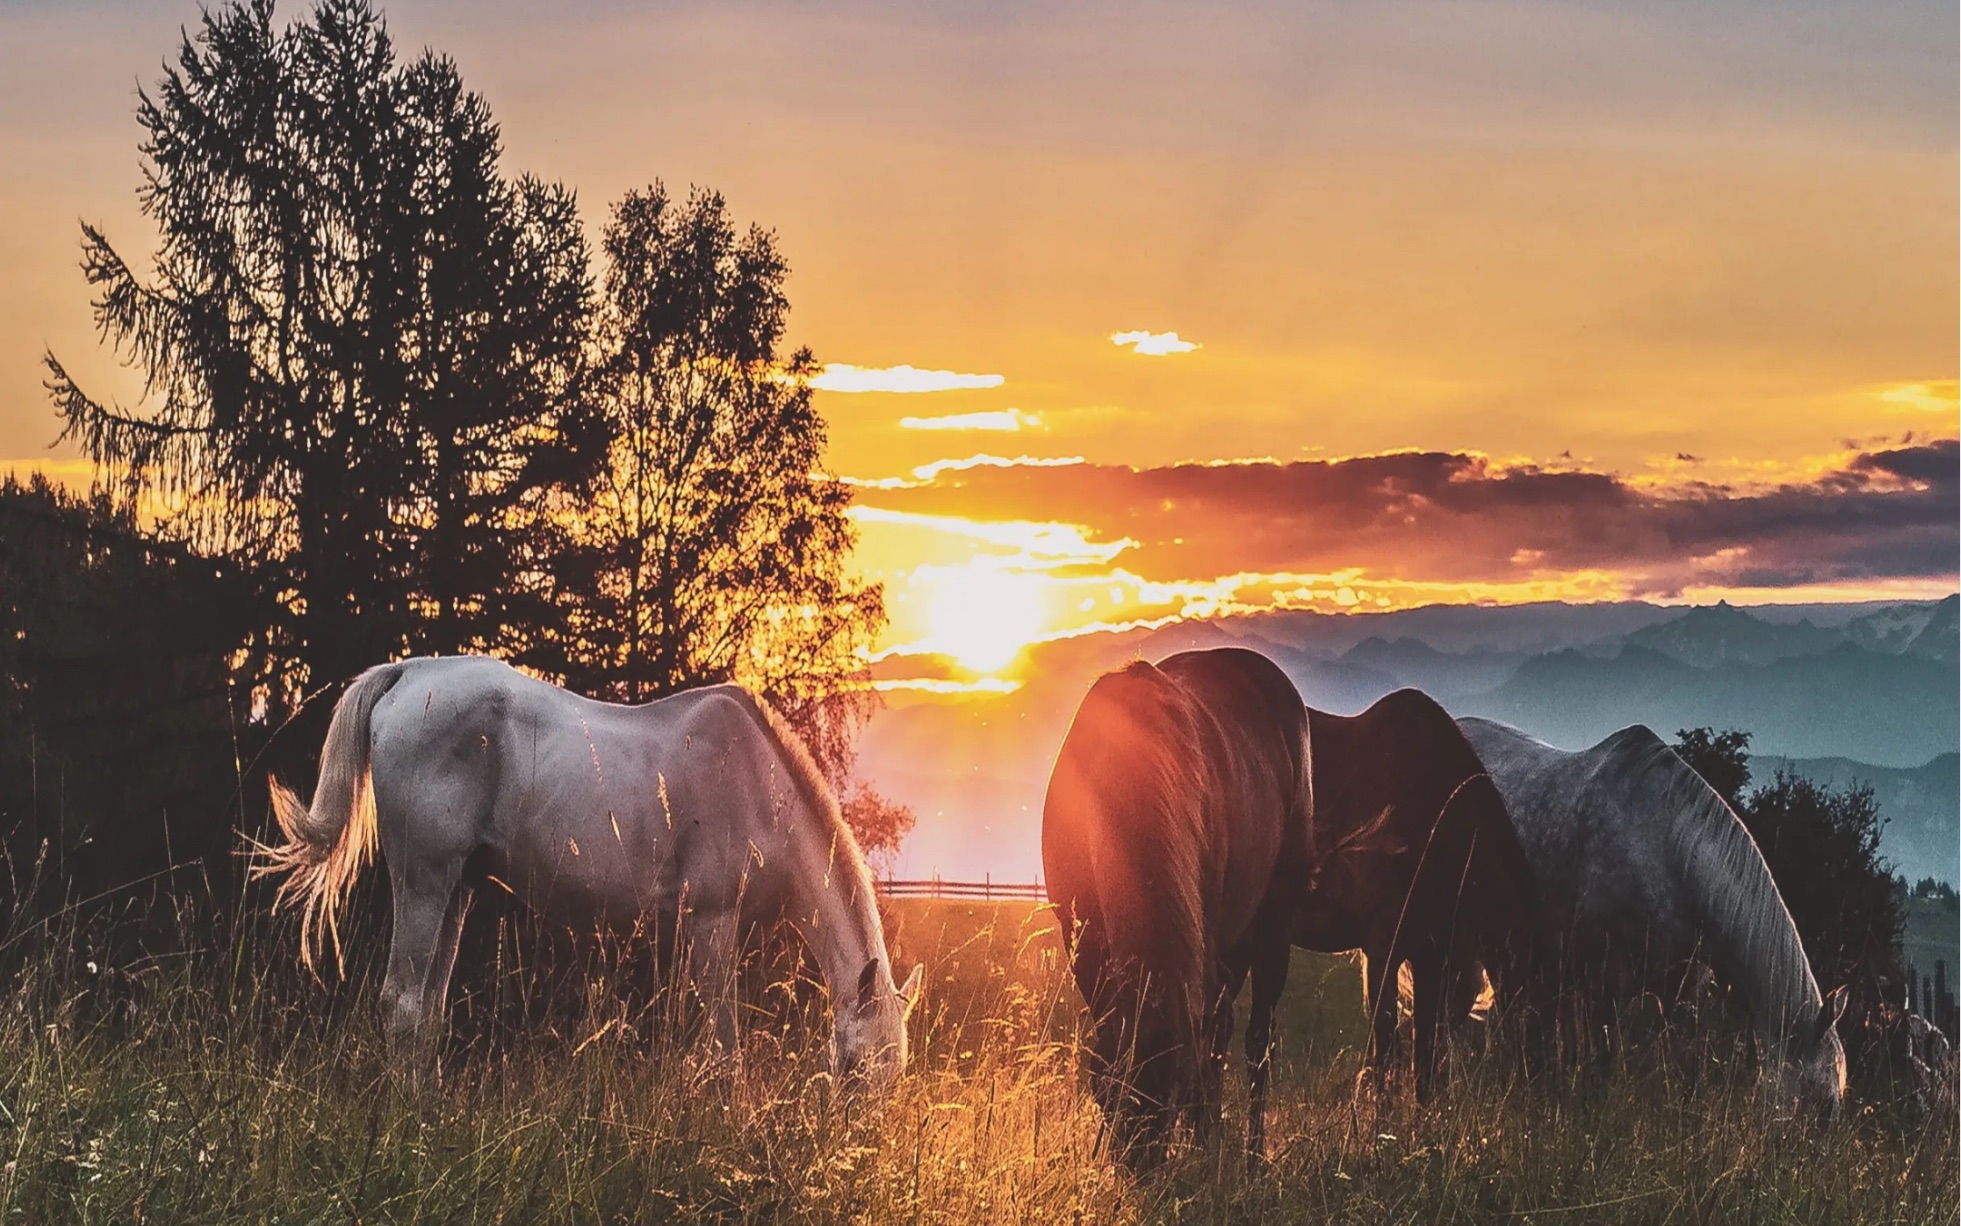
(205, 1089)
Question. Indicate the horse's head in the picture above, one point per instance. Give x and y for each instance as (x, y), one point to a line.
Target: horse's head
(870, 1028)
(1812, 1077)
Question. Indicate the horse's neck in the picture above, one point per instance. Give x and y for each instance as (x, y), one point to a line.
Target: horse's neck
(1742, 915)
(832, 904)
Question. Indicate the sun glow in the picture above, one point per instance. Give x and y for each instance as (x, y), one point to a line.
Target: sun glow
(984, 614)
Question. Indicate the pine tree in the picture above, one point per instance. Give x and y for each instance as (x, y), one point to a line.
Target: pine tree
(362, 349)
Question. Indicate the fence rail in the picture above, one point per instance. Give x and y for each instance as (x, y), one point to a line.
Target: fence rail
(986, 890)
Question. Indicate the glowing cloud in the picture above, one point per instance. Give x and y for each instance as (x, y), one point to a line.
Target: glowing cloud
(1005, 419)
(931, 472)
(842, 377)
(1153, 344)
(1941, 396)
(1037, 543)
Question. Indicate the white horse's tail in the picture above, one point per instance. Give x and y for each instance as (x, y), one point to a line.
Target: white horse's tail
(329, 842)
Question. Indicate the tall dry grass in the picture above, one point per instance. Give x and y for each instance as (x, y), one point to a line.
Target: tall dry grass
(219, 1086)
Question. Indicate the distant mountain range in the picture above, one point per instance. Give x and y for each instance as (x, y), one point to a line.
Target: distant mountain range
(1920, 806)
(1834, 691)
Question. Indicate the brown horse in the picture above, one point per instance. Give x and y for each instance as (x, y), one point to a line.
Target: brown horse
(1422, 866)
(1179, 797)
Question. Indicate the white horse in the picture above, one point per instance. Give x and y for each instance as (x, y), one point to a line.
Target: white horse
(1643, 869)
(700, 813)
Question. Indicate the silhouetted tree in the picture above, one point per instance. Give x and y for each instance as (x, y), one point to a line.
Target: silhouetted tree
(714, 546)
(361, 349)
(1933, 888)
(1822, 847)
(1721, 758)
(120, 731)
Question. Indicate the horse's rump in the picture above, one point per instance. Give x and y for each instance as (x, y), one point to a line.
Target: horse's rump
(1176, 794)
(1126, 857)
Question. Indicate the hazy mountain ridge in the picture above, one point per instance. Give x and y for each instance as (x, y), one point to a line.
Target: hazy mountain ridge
(1890, 710)
(1724, 634)
(1876, 690)
(1718, 634)
(1921, 806)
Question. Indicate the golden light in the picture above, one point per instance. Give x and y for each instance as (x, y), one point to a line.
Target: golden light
(983, 615)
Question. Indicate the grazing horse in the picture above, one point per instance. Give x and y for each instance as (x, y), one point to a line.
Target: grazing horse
(1179, 792)
(1421, 867)
(1646, 870)
(699, 815)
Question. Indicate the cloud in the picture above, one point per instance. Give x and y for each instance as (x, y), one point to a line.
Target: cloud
(1004, 419)
(1941, 396)
(1453, 518)
(1154, 344)
(842, 377)
(1037, 545)
(931, 472)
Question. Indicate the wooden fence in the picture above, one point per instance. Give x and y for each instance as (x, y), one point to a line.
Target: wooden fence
(986, 890)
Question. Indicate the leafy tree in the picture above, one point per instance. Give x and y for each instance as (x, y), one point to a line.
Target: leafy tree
(120, 733)
(1930, 887)
(362, 348)
(713, 547)
(1721, 758)
(879, 823)
(1822, 846)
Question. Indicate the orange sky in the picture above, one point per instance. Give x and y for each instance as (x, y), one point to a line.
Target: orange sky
(1671, 243)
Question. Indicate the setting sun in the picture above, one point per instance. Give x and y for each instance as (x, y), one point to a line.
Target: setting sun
(984, 614)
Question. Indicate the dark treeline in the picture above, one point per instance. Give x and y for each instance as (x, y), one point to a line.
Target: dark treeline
(391, 408)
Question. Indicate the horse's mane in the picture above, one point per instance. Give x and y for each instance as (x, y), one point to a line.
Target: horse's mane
(1740, 912)
(846, 856)
(1141, 749)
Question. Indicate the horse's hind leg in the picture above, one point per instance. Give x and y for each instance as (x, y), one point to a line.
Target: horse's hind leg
(421, 951)
(1269, 979)
(1385, 1047)
(1232, 976)
(1431, 1069)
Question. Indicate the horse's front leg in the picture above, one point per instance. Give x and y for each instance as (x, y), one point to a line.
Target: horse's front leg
(711, 959)
(1269, 979)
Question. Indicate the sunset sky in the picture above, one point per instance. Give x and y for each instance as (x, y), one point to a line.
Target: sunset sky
(1228, 305)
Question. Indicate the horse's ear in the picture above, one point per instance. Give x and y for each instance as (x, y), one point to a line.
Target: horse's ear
(868, 984)
(1834, 1009)
(910, 993)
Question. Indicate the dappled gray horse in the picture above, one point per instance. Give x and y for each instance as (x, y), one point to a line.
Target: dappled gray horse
(700, 814)
(1643, 869)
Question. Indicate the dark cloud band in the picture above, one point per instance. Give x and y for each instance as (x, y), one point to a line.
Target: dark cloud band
(1444, 516)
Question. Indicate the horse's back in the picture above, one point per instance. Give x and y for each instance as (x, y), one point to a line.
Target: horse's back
(1257, 745)
(1593, 825)
(1247, 692)
(569, 798)
(1404, 753)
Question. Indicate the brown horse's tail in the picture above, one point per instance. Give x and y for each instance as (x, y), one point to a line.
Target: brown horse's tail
(329, 842)
(1129, 792)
